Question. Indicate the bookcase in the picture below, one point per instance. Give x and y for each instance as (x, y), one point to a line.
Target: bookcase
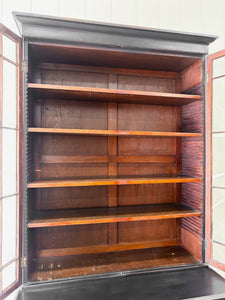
(114, 136)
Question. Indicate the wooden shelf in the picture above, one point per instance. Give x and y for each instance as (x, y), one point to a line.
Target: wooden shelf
(113, 181)
(111, 132)
(88, 264)
(111, 215)
(110, 95)
(104, 248)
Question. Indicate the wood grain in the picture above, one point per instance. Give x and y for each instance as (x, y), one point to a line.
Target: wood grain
(108, 70)
(111, 95)
(111, 132)
(87, 264)
(106, 125)
(191, 76)
(112, 215)
(191, 243)
(104, 248)
(112, 166)
(113, 181)
(67, 159)
(86, 55)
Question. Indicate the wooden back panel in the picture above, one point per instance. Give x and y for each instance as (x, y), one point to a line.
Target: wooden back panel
(67, 156)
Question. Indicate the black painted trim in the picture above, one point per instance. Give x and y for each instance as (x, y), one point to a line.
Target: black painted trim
(111, 36)
(204, 79)
(175, 284)
(25, 212)
(35, 285)
(68, 280)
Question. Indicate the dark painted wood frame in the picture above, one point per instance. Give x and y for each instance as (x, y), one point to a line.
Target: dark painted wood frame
(128, 39)
(125, 38)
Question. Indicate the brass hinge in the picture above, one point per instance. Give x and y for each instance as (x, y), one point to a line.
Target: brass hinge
(24, 67)
(23, 262)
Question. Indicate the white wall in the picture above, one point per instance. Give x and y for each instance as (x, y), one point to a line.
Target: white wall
(201, 16)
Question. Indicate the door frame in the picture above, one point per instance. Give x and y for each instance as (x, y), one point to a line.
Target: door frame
(209, 153)
(18, 40)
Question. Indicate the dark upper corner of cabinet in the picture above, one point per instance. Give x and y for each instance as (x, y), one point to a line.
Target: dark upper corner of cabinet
(111, 36)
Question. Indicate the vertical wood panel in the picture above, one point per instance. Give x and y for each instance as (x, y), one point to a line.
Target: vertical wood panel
(112, 166)
(178, 169)
(191, 77)
(193, 163)
(37, 157)
(192, 243)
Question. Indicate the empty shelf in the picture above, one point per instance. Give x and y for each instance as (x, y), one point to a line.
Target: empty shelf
(114, 181)
(110, 95)
(110, 262)
(111, 215)
(104, 248)
(112, 132)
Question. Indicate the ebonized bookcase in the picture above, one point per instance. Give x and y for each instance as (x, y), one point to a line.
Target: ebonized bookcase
(114, 147)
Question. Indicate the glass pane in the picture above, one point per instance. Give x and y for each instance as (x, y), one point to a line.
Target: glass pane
(218, 104)
(218, 213)
(219, 66)
(9, 118)
(218, 253)
(8, 275)
(9, 48)
(9, 230)
(9, 162)
(218, 159)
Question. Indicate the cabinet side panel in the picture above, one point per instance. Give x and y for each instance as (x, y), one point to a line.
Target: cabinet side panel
(193, 164)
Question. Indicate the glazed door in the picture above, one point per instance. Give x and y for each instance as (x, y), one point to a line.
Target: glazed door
(10, 161)
(215, 210)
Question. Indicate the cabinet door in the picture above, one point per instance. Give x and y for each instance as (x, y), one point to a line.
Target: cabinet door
(215, 204)
(10, 161)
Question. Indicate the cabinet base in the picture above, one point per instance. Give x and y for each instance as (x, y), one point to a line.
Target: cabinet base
(185, 283)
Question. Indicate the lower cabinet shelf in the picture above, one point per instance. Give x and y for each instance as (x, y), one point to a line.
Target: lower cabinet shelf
(119, 180)
(111, 215)
(104, 248)
(99, 263)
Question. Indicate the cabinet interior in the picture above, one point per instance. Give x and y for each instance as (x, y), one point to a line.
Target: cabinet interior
(115, 159)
